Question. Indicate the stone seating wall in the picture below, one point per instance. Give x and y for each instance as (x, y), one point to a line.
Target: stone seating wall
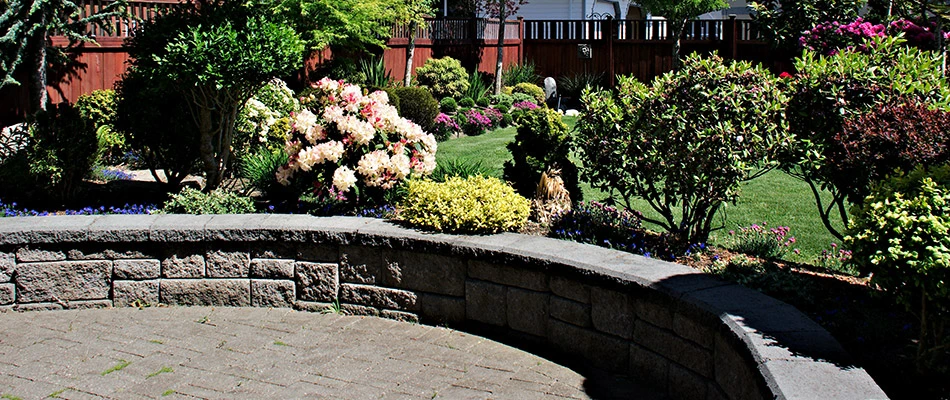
(692, 335)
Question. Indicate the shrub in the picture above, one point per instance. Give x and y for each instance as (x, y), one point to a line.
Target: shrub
(374, 73)
(542, 142)
(471, 205)
(460, 168)
(445, 77)
(417, 105)
(761, 241)
(259, 170)
(448, 105)
(502, 108)
(606, 226)
(467, 102)
(525, 105)
(192, 201)
(573, 85)
(493, 115)
(501, 99)
(62, 149)
(98, 107)
(338, 153)
(829, 38)
(520, 73)
(701, 131)
(474, 123)
(507, 120)
(899, 235)
(828, 91)
(478, 87)
(530, 89)
(444, 127)
(392, 97)
(483, 102)
(523, 98)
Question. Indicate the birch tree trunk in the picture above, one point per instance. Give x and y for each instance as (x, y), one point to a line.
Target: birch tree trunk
(38, 78)
(410, 52)
(502, 16)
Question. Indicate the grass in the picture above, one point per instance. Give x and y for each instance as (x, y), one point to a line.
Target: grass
(775, 198)
(118, 367)
(168, 392)
(164, 370)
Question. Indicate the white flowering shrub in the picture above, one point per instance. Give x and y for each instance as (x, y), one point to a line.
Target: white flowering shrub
(257, 124)
(344, 142)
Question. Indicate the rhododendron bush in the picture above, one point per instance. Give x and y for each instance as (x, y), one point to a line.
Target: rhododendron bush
(344, 142)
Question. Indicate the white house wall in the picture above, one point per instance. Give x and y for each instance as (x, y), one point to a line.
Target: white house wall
(582, 9)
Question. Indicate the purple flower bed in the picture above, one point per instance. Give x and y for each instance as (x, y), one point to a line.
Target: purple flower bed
(525, 105)
(11, 210)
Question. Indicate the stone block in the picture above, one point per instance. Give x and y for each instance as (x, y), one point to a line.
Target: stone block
(63, 281)
(655, 311)
(570, 311)
(97, 252)
(486, 302)
(360, 264)
(692, 356)
(89, 304)
(374, 296)
(653, 338)
(317, 252)
(528, 311)
(38, 307)
(356, 309)
(649, 366)
(137, 269)
(227, 264)
(273, 250)
(272, 293)
(570, 289)
(310, 306)
(399, 316)
(267, 268)
(612, 312)
(442, 309)
(684, 384)
(734, 373)
(128, 293)
(689, 328)
(26, 254)
(206, 292)
(426, 273)
(609, 352)
(183, 265)
(510, 276)
(7, 293)
(569, 338)
(177, 228)
(317, 281)
(7, 266)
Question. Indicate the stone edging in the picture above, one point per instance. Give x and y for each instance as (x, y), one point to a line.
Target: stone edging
(695, 336)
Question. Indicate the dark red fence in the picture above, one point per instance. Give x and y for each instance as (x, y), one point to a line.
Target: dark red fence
(642, 48)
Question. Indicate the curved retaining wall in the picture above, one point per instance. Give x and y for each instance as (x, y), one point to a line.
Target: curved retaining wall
(694, 336)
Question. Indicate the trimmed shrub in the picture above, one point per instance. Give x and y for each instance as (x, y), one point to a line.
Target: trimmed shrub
(465, 205)
(542, 142)
(444, 77)
(701, 131)
(444, 127)
(899, 236)
(501, 99)
(467, 102)
(473, 123)
(448, 105)
(417, 105)
(482, 102)
(502, 108)
(192, 201)
(530, 89)
(507, 120)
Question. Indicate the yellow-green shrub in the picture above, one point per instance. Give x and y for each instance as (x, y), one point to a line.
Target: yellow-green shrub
(473, 204)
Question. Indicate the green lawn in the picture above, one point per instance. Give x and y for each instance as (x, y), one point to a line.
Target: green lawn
(775, 198)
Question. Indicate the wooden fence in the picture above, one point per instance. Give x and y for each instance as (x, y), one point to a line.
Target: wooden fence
(642, 48)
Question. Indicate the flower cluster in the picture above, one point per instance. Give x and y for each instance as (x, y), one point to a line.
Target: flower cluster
(11, 210)
(762, 241)
(256, 120)
(493, 115)
(476, 123)
(834, 258)
(344, 138)
(916, 35)
(445, 127)
(524, 105)
(829, 38)
(607, 226)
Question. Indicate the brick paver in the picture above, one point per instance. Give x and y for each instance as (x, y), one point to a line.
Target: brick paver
(205, 352)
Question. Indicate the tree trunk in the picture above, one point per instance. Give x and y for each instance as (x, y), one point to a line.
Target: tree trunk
(410, 52)
(206, 149)
(499, 66)
(38, 78)
(677, 32)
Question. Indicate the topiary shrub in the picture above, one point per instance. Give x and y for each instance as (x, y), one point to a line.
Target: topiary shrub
(448, 105)
(507, 120)
(542, 142)
(444, 77)
(192, 201)
(467, 102)
(530, 89)
(464, 205)
(417, 105)
(700, 131)
(899, 236)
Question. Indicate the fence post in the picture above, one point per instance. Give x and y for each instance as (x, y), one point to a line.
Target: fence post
(520, 40)
(731, 36)
(610, 48)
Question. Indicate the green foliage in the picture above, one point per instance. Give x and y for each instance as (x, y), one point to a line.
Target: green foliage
(98, 108)
(264, 119)
(520, 73)
(277, 96)
(530, 89)
(259, 169)
(374, 73)
(478, 87)
(459, 167)
(192, 201)
(685, 143)
(828, 91)
(501, 100)
(467, 102)
(445, 77)
(482, 102)
(417, 105)
(761, 241)
(218, 55)
(783, 22)
(573, 85)
(62, 150)
(341, 24)
(520, 97)
(542, 142)
(448, 105)
(465, 205)
(502, 108)
(901, 235)
(678, 12)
